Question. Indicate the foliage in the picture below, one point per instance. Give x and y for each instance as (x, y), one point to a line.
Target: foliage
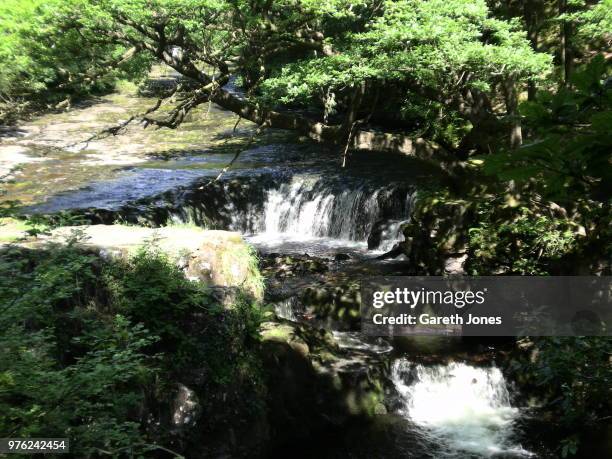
(427, 54)
(574, 376)
(523, 243)
(568, 157)
(64, 370)
(425, 43)
(87, 345)
(48, 60)
(559, 201)
(422, 56)
(149, 289)
(593, 23)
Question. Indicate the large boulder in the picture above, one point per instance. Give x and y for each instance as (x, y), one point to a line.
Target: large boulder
(314, 383)
(221, 259)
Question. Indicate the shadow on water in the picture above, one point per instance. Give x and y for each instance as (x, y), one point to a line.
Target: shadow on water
(11, 131)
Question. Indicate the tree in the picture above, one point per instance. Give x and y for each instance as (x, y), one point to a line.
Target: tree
(447, 59)
(47, 61)
(560, 205)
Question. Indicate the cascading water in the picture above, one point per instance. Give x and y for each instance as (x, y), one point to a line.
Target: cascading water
(308, 208)
(461, 409)
(313, 206)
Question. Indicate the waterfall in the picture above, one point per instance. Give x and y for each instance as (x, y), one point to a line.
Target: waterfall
(463, 409)
(312, 206)
(288, 308)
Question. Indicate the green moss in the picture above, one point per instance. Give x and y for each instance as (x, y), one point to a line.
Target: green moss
(239, 253)
(12, 229)
(276, 332)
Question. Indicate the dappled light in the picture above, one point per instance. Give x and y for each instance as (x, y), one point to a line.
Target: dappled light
(206, 205)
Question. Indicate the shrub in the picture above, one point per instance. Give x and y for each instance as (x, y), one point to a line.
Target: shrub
(88, 345)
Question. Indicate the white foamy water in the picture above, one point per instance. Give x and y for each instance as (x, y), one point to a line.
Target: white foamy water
(307, 207)
(464, 409)
(311, 208)
(356, 341)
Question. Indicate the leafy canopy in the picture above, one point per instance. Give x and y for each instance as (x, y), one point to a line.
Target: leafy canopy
(438, 45)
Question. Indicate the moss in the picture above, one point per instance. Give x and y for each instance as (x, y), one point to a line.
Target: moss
(275, 331)
(183, 225)
(238, 253)
(12, 230)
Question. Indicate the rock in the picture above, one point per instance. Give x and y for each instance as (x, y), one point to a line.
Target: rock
(283, 266)
(436, 236)
(186, 407)
(342, 257)
(314, 384)
(384, 231)
(218, 258)
(375, 237)
(455, 265)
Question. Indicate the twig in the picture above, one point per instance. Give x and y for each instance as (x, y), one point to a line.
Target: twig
(236, 125)
(355, 123)
(261, 127)
(348, 143)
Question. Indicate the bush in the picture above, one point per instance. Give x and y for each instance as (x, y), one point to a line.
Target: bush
(199, 334)
(573, 377)
(87, 347)
(66, 369)
(520, 242)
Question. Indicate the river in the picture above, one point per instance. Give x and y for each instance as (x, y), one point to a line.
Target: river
(288, 196)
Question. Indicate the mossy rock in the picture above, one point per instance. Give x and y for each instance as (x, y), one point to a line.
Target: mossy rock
(217, 258)
(436, 233)
(313, 383)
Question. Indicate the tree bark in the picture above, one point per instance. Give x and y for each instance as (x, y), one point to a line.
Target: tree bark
(565, 32)
(530, 13)
(511, 99)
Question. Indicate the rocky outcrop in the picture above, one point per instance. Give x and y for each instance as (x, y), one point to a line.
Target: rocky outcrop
(308, 288)
(314, 384)
(436, 236)
(220, 259)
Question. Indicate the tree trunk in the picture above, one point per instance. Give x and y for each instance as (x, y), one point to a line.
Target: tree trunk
(565, 31)
(511, 99)
(530, 14)
(484, 135)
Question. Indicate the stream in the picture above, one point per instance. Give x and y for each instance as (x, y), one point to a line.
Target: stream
(289, 198)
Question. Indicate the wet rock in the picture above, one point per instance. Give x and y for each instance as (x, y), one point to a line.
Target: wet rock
(385, 233)
(334, 304)
(342, 257)
(186, 407)
(314, 384)
(283, 266)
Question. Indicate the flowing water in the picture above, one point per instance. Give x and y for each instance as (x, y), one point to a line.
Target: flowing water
(285, 195)
(311, 211)
(455, 410)
(463, 408)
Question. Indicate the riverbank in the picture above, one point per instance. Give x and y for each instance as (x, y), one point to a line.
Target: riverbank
(318, 228)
